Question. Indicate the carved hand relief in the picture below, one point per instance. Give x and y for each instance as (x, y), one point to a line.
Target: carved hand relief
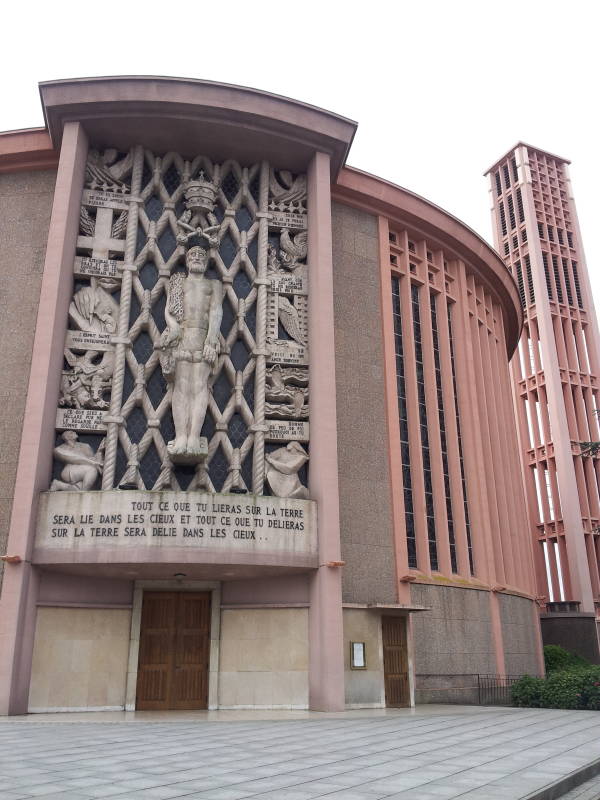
(188, 328)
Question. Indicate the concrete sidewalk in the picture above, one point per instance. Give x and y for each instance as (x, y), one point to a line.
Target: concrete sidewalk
(431, 752)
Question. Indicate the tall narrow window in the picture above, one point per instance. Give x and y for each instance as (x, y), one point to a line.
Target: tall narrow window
(511, 213)
(520, 209)
(565, 266)
(498, 184)
(547, 274)
(570, 239)
(520, 284)
(559, 293)
(427, 478)
(502, 218)
(577, 284)
(529, 280)
(443, 440)
(460, 447)
(506, 175)
(409, 517)
(513, 162)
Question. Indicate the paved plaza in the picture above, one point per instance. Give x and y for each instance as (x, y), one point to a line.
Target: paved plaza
(431, 752)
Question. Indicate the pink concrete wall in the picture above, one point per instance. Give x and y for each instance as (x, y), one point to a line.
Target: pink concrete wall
(19, 589)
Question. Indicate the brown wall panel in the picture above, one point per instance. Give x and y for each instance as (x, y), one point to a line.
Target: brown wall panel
(25, 206)
(365, 506)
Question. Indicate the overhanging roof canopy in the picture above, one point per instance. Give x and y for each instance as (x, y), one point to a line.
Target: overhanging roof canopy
(196, 116)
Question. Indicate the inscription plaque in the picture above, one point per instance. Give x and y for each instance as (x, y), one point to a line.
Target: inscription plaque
(90, 522)
(289, 282)
(88, 340)
(80, 419)
(86, 267)
(288, 430)
(282, 351)
(293, 222)
(97, 199)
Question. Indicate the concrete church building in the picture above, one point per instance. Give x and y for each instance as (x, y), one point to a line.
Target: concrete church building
(258, 441)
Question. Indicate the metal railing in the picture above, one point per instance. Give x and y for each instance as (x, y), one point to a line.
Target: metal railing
(465, 689)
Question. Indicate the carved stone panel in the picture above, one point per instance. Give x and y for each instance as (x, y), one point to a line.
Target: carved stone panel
(177, 364)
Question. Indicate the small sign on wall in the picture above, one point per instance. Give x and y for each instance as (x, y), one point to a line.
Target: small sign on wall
(358, 657)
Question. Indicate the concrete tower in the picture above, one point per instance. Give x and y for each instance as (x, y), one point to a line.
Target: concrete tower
(555, 380)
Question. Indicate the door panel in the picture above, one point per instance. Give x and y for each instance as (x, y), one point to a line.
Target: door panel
(395, 661)
(174, 651)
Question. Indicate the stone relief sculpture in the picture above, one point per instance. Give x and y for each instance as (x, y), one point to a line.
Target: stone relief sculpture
(198, 219)
(88, 381)
(288, 317)
(82, 465)
(189, 349)
(287, 393)
(104, 172)
(283, 465)
(94, 310)
(154, 355)
(287, 193)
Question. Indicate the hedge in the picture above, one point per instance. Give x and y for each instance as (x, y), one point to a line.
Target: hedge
(574, 688)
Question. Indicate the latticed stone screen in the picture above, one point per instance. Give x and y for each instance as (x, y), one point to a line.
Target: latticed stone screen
(130, 244)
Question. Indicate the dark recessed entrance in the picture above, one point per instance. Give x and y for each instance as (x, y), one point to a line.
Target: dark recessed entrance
(395, 661)
(174, 651)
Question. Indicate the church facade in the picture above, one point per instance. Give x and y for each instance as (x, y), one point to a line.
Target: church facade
(258, 440)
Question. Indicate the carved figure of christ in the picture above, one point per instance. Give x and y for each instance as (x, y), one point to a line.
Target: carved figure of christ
(193, 337)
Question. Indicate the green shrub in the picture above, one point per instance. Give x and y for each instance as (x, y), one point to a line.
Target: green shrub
(557, 658)
(575, 688)
(527, 692)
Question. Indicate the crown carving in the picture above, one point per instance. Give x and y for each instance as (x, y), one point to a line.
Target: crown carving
(200, 195)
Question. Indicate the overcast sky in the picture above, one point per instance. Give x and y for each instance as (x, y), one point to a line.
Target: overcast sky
(440, 89)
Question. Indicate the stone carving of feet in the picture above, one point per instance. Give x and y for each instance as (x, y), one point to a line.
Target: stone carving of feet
(177, 446)
(198, 446)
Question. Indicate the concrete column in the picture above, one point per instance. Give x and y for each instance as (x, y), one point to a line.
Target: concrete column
(326, 654)
(19, 589)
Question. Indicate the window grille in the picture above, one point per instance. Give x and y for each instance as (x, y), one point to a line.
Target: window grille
(529, 280)
(565, 266)
(547, 274)
(460, 447)
(511, 213)
(577, 284)
(520, 209)
(559, 293)
(514, 169)
(520, 284)
(409, 517)
(427, 477)
(502, 218)
(443, 441)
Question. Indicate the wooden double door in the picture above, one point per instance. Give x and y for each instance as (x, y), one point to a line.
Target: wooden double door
(395, 661)
(174, 651)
